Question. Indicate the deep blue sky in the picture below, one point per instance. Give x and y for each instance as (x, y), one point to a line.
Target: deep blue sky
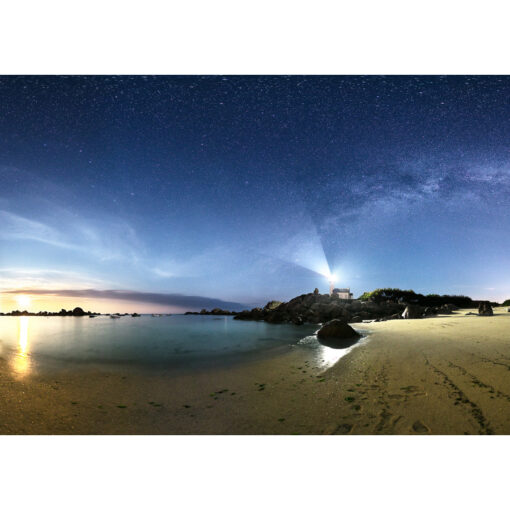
(243, 188)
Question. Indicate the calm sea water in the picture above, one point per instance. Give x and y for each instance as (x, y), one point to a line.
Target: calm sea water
(30, 343)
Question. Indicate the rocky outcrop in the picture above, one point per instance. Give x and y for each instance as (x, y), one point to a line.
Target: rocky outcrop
(272, 305)
(214, 311)
(485, 309)
(317, 308)
(78, 312)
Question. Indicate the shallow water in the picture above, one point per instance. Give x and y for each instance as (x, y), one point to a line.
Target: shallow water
(31, 343)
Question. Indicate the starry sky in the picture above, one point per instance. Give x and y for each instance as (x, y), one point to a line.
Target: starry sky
(169, 193)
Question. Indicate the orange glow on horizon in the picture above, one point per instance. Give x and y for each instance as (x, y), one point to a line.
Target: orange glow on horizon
(50, 303)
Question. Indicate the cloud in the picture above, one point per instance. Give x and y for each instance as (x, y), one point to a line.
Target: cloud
(41, 211)
(46, 279)
(19, 227)
(177, 300)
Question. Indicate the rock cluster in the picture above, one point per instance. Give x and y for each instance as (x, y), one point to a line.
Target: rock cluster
(214, 311)
(417, 311)
(76, 312)
(320, 308)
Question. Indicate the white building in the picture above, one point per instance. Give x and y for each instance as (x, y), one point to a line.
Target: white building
(342, 293)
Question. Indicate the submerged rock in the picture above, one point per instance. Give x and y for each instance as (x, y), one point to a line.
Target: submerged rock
(485, 309)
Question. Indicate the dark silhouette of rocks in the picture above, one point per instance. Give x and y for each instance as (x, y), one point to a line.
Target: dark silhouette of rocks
(76, 312)
(214, 311)
(485, 309)
(320, 308)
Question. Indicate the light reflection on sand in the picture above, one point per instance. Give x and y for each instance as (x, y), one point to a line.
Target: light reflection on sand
(21, 361)
(325, 357)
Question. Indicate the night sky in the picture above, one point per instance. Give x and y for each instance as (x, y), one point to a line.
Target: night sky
(242, 189)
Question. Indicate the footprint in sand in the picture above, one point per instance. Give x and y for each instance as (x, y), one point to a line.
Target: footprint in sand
(333, 428)
(414, 391)
(420, 428)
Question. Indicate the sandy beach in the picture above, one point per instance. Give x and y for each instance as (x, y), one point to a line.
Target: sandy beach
(444, 375)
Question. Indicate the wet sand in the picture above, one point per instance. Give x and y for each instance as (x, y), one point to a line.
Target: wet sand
(443, 375)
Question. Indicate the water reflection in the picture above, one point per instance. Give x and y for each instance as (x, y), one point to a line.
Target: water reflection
(21, 361)
(324, 356)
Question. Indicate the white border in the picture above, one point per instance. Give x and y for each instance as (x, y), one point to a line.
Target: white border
(262, 37)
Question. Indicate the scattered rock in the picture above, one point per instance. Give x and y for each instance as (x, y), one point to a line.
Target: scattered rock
(420, 428)
(485, 309)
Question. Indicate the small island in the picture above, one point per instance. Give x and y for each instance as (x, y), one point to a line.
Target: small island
(214, 311)
(75, 312)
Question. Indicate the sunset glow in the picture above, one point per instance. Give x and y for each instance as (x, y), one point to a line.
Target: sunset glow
(23, 300)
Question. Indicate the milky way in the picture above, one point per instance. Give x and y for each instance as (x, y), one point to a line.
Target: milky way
(241, 188)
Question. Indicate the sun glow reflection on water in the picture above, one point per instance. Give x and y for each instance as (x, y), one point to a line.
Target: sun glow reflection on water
(21, 360)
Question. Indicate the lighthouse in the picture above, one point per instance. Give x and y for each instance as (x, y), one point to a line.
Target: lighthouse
(332, 280)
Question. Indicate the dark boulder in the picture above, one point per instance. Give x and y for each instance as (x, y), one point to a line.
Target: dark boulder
(412, 312)
(316, 291)
(337, 334)
(78, 312)
(336, 329)
(485, 309)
